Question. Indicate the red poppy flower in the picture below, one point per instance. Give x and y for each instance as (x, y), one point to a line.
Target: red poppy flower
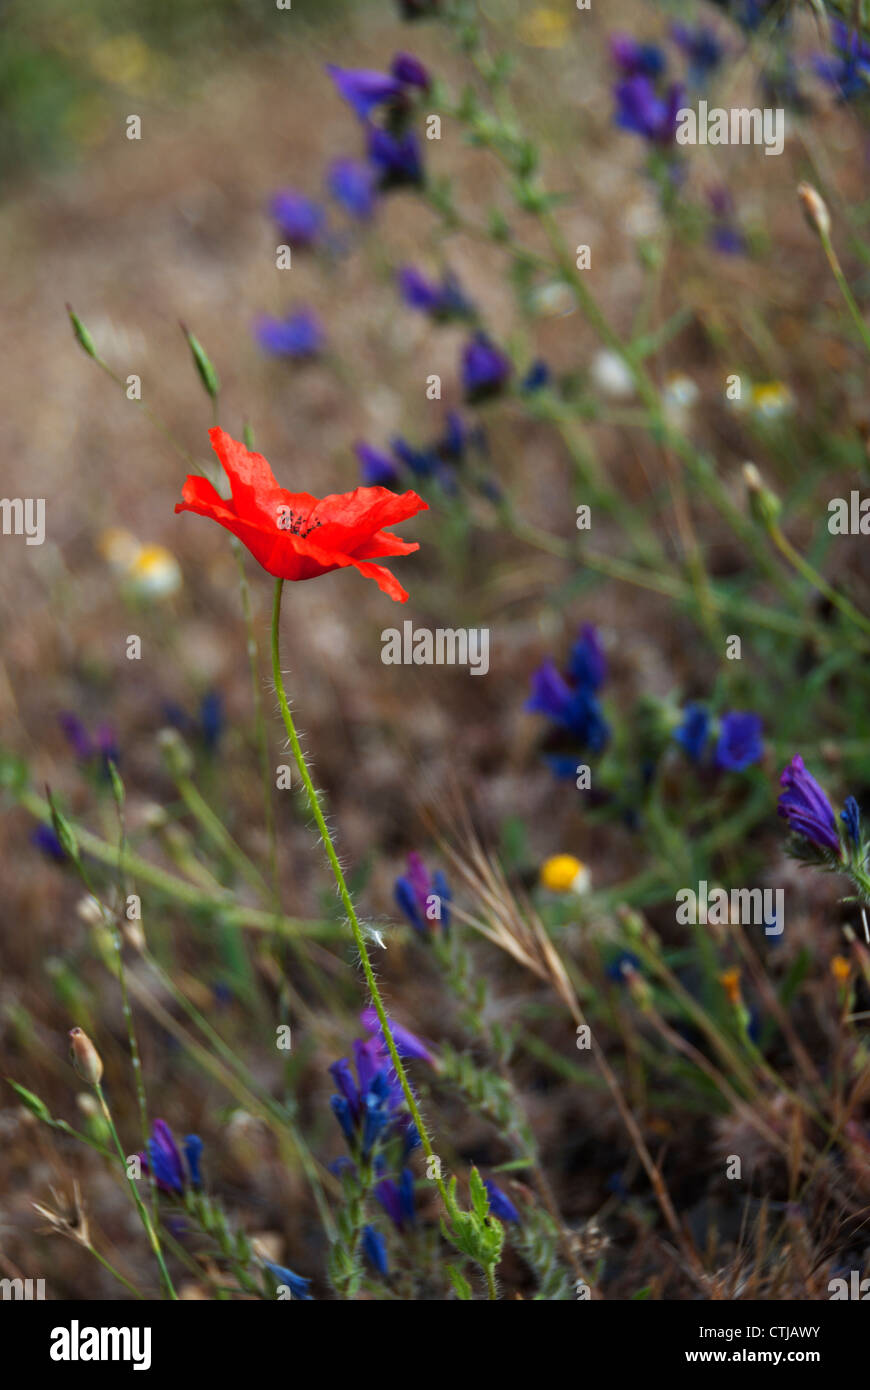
(294, 535)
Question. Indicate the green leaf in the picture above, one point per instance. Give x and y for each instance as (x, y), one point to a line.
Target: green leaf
(479, 1195)
(62, 829)
(33, 1103)
(460, 1284)
(207, 374)
(83, 337)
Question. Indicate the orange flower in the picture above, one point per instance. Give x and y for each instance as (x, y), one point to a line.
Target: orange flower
(294, 535)
(730, 982)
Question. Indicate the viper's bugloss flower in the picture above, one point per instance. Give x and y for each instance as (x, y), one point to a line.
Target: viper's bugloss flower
(622, 966)
(395, 158)
(805, 807)
(163, 1160)
(299, 335)
(422, 462)
(407, 1043)
(297, 536)
(740, 743)
(352, 183)
(371, 1105)
(694, 731)
(410, 71)
(851, 818)
(376, 469)
(442, 301)
(423, 898)
(364, 89)
(485, 370)
(587, 664)
(573, 708)
(640, 108)
(725, 235)
(299, 218)
(635, 59)
(46, 840)
(500, 1204)
(458, 438)
(294, 1282)
(211, 719)
(375, 1250)
(702, 48)
(848, 69)
(103, 745)
(537, 378)
(397, 1199)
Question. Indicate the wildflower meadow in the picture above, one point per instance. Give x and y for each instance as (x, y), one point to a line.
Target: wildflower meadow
(434, 689)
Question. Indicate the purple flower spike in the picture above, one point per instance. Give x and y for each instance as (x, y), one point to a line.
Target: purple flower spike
(407, 1043)
(300, 335)
(352, 183)
(363, 89)
(299, 218)
(806, 808)
(740, 743)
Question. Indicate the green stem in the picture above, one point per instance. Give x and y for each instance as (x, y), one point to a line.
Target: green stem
(140, 1206)
(344, 894)
(812, 576)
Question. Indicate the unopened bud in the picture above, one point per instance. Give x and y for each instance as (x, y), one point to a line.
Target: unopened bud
(764, 504)
(815, 209)
(85, 1057)
(176, 754)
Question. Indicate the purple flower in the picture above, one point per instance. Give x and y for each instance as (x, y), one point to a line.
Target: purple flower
(294, 1282)
(423, 462)
(499, 1203)
(849, 69)
(693, 732)
(299, 218)
(573, 708)
(639, 108)
(419, 895)
(46, 840)
(407, 1043)
(702, 48)
(485, 370)
(397, 1199)
(300, 335)
(538, 377)
(740, 743)
(352, 183)
(396, 158)
(587, 664)
(410, 71)
(363, 89)
(442, 301)
(376, 469)
(76, 734)
(372, 1104)
(622, 966)
(375, 1250)
(635, 59)
(851, 818)
(806, 808)
(163, 1160)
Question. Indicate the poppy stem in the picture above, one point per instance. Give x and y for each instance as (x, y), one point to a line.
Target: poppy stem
(344, 894)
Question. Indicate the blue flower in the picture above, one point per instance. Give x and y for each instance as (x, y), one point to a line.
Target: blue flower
(352, 183)
(442, 301)
(410, 71)
(422, 462)
(849, 69)
(499, 1203)
(537, 378)
(692, 734)
(407, 1043)
(635, 59)
(573, 708)
(419, 894)
(376, 469)
(397, 1199)
(806, 808)
(163, 1160)
(102, 748)
(587, 664)
(375, 1250)
(372, 1104)
(622, 965)
(641, 109)
(211, 719)
(851, 818)
(299, 335)
(363, 89)
(740, 743)
(396, 158)
(485, 370)
(45, 839)
(702, 48)
(299, 218)
(294, 1282)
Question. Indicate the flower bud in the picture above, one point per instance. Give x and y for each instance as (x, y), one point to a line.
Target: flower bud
(85, 1057)
(815, 209)
(764, 504)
